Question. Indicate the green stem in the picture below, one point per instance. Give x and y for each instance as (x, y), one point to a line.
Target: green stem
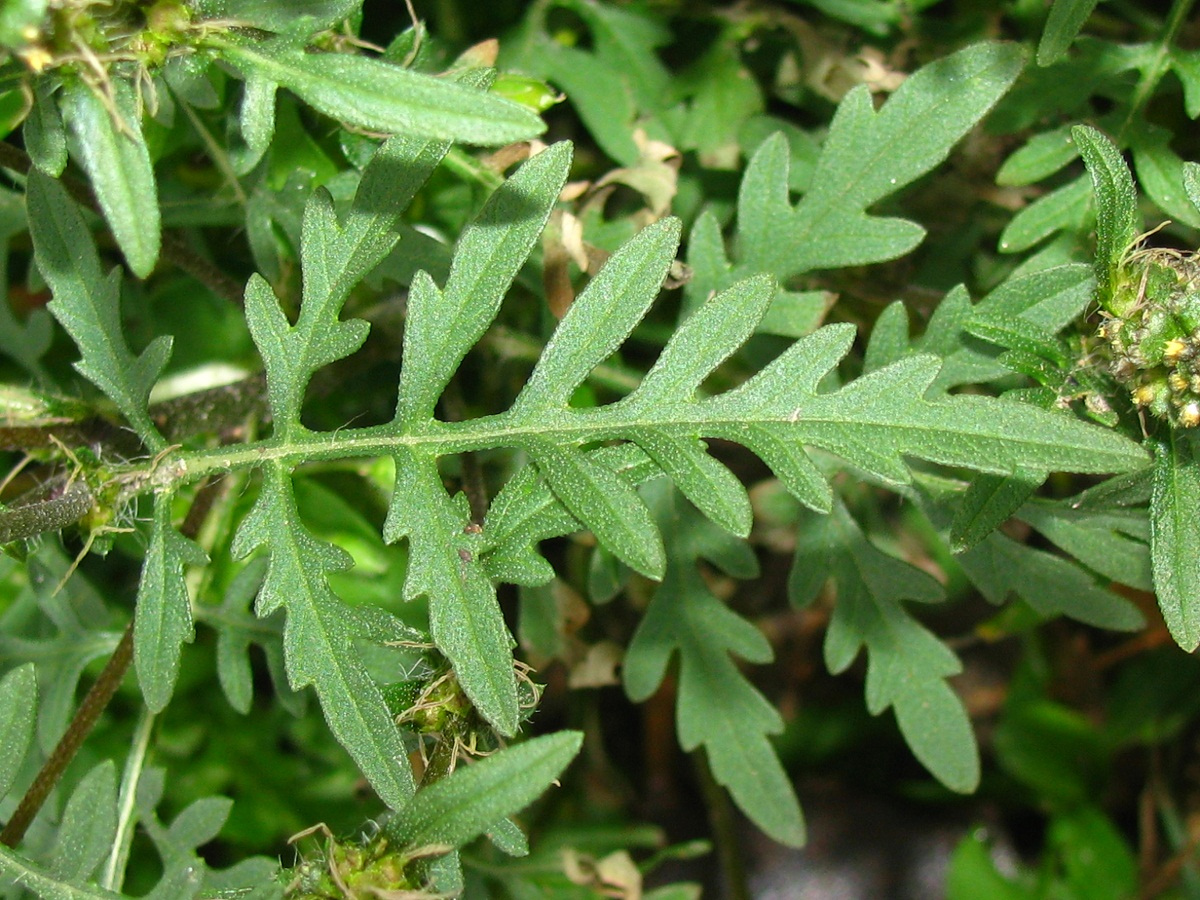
(1154, 72)
(114, 869)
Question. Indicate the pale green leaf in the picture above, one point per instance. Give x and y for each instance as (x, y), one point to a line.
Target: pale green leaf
(1001, 567)
(1114, 542)
(1186, 65)
(378, 96)
(711, 487)
(988, 503)
(87, 304)
(461, 807)
(85, 833)
(1160, 173)
(877, 419)
(1042, 156)
(1175, 539)
(1191, 183)
(444, 324)
(106, 140)
(334, 258)
(18, 701)
(703, 341)
(164, 616)
(527, 511)
(1117, 219)
(280, 15)
(1064, 207)
(1063, 24)
(465, 618)
(256, 121)
(181, 881)
(906, 665)
(717, 708)
(319, 636)
(234, 636)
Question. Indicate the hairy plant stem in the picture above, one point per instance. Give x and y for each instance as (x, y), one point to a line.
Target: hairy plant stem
(85, 718)
(174, 247)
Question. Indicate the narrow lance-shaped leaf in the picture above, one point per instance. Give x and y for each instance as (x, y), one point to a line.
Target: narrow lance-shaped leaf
(106, 139)
(88, 306)
(1062, 25)
(465, 618)
(319, 635)
(444, 324)
(452, 812)
(379, 96)
(164, 616)
(600, 318)
(605, 503)
(1117, 219)
(1175, 539)
(18, 702)
(44, 134)
(988, 504)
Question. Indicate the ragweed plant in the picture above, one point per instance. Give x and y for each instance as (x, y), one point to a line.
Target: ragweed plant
(357, 398)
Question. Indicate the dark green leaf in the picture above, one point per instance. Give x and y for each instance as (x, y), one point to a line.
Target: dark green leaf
(1117, 218)
(444, 324)
(718, 709)
(473, 799)
(87, 305)
(89, 821)
(988, 504)
(319, 638)
(465, 618)
(379, 96)
(1175, 539)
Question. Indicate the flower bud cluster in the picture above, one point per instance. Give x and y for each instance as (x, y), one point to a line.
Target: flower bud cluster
(1152, 329)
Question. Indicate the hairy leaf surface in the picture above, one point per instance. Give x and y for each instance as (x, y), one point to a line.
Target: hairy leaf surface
(164, 616)
(380, 96)
(319, 636)
(88, 306)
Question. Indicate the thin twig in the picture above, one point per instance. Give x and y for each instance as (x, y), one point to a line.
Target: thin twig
(724, 829)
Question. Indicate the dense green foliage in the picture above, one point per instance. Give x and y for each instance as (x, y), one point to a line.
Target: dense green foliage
(306, 390)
